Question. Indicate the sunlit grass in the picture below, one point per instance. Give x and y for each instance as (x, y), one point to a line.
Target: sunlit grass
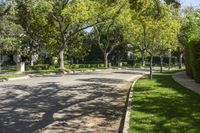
(162, 105)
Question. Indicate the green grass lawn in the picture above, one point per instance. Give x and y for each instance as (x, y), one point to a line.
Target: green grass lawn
(163, 106)
(5, 76)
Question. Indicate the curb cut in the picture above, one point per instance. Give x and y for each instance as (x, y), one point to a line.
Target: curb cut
(128, 107)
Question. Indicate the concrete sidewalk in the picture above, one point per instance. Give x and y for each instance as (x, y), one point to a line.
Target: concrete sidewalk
(186, 81)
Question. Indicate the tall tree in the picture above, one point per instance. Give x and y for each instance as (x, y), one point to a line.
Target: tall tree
(69, 18)
(10, 36)
(31, 15)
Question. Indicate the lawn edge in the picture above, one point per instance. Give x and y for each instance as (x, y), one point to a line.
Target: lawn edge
(128, 106)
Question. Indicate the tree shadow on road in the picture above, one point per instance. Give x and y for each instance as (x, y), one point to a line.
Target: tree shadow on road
(30, 109)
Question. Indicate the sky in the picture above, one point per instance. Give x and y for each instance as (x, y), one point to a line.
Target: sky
(195, 3)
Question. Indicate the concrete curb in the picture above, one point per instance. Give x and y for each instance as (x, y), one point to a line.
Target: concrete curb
(13, 79)
(18, 78)
(128, 107)
(50, 74)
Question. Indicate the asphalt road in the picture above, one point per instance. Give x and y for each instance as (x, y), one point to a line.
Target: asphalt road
(82, 103)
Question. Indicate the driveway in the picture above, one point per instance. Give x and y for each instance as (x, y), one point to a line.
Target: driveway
(82, 103)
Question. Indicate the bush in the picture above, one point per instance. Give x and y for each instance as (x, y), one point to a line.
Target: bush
(188, 61)
(195, 59)
(138, 65)
(76, 66)
(52, 67)
(37, 67)
(55, 60)
(124, 64)
(8, 63)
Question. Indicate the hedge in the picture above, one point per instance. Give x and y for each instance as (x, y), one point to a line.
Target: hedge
(194, 47)
(87, 66)
(38, 67)
(188, 63)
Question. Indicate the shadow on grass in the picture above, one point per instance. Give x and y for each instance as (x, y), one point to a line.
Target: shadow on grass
(53, 104)
(162, 105)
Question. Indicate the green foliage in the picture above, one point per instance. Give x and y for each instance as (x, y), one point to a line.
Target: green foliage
(38, 67)
(10, 35)
(60, 27)
(32, 16)
(87, 66)
(189, 38)
(195, 59)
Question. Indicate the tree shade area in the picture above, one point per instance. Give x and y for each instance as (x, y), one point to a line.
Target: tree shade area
(68, 34)
(162, 105)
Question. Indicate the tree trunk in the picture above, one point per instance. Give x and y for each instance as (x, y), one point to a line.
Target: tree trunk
(106, 60)
(63, 41)
(161, 64)
(143, 59)
(31, 59)
(31, 54)
(1, 62)
(151, 66)
(170, 60)
(18, 62)
(0, 66)
(181, 61)
(61, 59)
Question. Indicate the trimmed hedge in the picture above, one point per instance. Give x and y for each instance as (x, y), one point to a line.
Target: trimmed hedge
(188, 63)
(194, 47)
(87, 66)
(38, 67)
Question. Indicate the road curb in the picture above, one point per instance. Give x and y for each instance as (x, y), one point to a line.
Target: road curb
(18, 78)
(128, 107)
(13, 79)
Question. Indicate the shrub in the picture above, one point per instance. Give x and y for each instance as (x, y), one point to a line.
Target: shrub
(195, 59)
(76, 66)
(52, 67)
(188, 61)
(37, 67)
(138, 65)
(55, 60)
(124, 63)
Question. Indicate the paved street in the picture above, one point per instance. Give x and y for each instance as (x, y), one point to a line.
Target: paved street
(65, 103)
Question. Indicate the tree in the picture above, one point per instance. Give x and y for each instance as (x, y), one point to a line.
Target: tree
(69, 18)
(4, 8)
(169, 27)
(31, 16)
(79, 47)
(109, 35)
(10, 36)
(157, 28)
(107, 40)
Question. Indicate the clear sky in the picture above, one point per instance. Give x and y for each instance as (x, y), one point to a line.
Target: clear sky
(195, 3)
